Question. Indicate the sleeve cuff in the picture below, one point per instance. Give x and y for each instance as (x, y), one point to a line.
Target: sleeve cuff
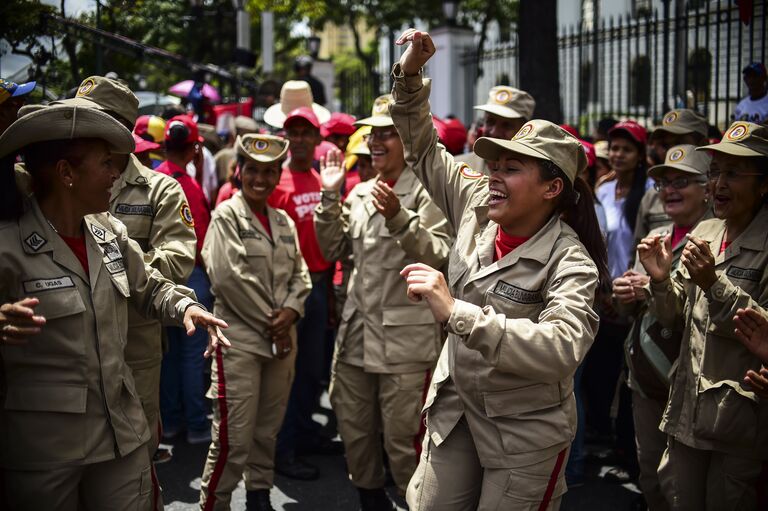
(186, 303)
(719, 290)
(296, 306)
(462, 318)
(329, 204)
(407, 83)
(657, 288)
(397, 222)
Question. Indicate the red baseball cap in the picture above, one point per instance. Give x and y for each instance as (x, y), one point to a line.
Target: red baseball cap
(338, 124)
(570, 129)
(182, 129)
(143, 145)
(631, 128)
(303, 112)
(590, 150)
(451, 133)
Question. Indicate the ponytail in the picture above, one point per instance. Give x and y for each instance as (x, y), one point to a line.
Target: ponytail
(576, 207)
(11, 204)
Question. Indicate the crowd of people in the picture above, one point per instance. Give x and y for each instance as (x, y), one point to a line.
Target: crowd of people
(477, 317)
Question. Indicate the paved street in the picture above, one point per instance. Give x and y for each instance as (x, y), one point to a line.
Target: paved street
(332, 492)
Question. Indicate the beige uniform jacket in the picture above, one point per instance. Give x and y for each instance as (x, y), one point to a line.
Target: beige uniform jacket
(709, 407)
(252, 273)
(474, 162)
(520, 325)
(650, 214)
(151, 205)
(69, 397)
(381, 329)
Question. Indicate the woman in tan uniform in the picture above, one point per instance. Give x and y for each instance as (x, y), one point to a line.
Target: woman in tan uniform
(650, 349)
(518, 306)
(386, 346)
(716, 425)
(72, 431)
(260, 282)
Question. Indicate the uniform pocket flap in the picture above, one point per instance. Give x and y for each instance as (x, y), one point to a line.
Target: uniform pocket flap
(47, 398)
(407, 315)
(522, 400)
(256, 247)
(706, 384)
(60, 303)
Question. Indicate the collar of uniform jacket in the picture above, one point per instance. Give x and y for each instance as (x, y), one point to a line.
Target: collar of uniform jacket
(538, 248)
(755, 237)
(244, 210)
(134, 174)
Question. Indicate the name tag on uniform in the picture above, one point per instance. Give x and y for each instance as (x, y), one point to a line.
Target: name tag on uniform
(36, 286)
(134, 209)
(517, 294)
(249, 233)
(287, 239)
(744, 273)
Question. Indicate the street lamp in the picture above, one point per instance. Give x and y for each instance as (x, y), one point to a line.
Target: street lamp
(313, 46)
(450, 10)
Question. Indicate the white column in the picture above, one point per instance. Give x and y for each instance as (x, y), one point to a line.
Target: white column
(449, 93)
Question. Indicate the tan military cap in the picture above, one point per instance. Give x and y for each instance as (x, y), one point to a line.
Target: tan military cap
(105, 94)
(244, 124)
(509, 102)
(261, 148)
(681, 122)
(66, 122)
(379, 113)
(683, 157)
(601, 149)
(542, 140)
(742, 139)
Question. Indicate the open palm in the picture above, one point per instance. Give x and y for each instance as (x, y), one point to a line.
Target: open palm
(332, 171)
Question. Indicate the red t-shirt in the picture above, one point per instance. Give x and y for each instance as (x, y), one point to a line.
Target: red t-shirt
(678, 233)
(227, 191)
(724, 246)
(264, 219)
(77, 245)
(350, 182)
(198, 205)
(297, 194)
(506, 243)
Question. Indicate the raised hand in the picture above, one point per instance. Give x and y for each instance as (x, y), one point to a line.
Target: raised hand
(418, 53)
(18, 321)
(384, 200)
(195, 316)
(655, 253)
(332, 171)
(698, 258)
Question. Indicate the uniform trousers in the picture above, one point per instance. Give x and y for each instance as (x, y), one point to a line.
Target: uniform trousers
(450, 477)
(701, 480)
(120, 484)
(250, 395)
(148, 388)
(369, 404)
(651, 442)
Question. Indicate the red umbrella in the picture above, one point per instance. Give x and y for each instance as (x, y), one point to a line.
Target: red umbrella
(183, 88)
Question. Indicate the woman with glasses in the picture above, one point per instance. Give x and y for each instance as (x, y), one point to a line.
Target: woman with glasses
(386, 345)
(717, 438)
(650, 349)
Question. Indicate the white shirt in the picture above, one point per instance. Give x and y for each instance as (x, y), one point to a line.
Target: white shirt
(752, 111)
(210, 179)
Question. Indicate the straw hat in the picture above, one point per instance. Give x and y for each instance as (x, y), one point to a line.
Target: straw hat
(294, 94)
(542, 140)
(66, 122)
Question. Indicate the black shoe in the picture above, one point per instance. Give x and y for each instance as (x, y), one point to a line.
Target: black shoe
(258, 500)
(375, 500)
(294, 468)
(320, 446)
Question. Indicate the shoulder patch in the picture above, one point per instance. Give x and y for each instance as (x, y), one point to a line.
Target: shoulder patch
(135, 209)
(35, 241)
(517, 294)
(40, 285)
(752, 274)
(186, 214)
(470, 173)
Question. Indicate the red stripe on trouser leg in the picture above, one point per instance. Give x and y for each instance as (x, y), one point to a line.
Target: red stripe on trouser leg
(221, 461)
(553, 480)
(422, 425)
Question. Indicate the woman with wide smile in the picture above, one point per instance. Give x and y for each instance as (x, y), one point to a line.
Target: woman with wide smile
(517, 306)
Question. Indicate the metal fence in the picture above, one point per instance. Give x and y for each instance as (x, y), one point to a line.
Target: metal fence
(357, 90)
(641, 66)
